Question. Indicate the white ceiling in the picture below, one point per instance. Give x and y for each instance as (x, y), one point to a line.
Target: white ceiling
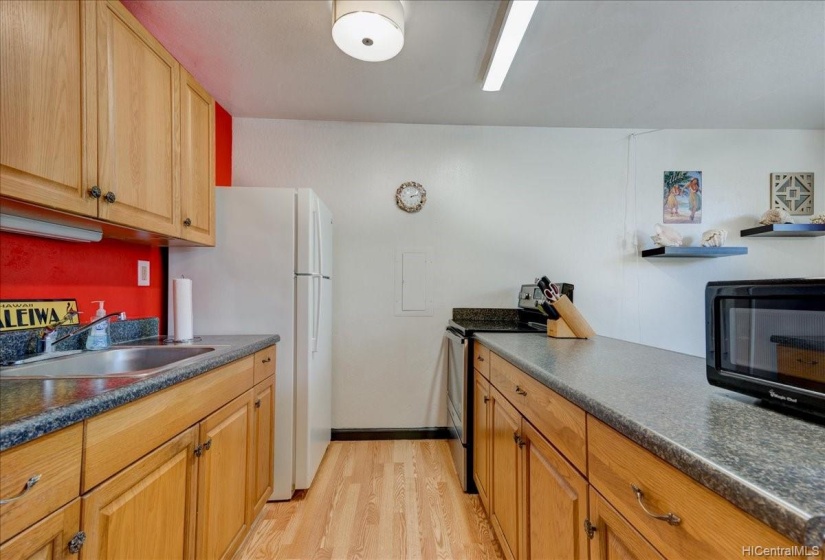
(582, 64)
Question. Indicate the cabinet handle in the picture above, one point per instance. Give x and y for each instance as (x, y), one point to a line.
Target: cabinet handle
(110, 197)
(28, 486)
(807, 362)
(671, 518)
(589, 528)
(266, 360)
(486, 399)
(521, 391)
(95, 192)
(517, 438)
(187, 222)
(481, 358)
(198, 451)
(258, 403)
(207, 445)
(76, 543)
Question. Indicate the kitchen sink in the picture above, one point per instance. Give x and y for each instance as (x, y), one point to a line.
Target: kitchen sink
(133, 361)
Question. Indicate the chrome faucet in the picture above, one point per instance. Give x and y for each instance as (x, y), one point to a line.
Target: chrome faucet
(49, 336)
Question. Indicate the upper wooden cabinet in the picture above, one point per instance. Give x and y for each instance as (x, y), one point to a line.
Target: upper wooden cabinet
(46, 146)
(197, 161)
(138, 113)
(99, 119)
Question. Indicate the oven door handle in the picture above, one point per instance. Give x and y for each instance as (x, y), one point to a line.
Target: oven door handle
(456, 337)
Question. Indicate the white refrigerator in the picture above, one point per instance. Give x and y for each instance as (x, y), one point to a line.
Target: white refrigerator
(271, 273)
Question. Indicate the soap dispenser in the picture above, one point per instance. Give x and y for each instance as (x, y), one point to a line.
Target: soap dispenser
(98, 338)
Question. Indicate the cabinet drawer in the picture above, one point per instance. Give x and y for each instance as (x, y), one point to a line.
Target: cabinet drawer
(481, 359)
(264, 363)
(559, 420)
(709, 526)
(119, 437)
(56, 458)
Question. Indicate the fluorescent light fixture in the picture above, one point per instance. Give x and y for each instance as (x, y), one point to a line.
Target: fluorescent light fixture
(28, 226)
(518, 16)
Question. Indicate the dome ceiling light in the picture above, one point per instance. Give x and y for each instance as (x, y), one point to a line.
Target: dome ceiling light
(369, 30)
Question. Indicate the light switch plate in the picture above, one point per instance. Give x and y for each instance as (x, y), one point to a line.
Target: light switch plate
(143, 273)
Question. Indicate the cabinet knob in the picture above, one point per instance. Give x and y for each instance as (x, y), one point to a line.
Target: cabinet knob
(486, 399)
(76, 543)
(187, 222)
(481, 358)
(266, 360)
(521, 391)
(207, 445)
(258, 403)
(95, 192)
(110, 197)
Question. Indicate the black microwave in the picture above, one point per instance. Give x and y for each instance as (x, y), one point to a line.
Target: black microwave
(766, 338)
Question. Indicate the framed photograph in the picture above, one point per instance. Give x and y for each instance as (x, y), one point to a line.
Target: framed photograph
(682, 197)
(793, 192)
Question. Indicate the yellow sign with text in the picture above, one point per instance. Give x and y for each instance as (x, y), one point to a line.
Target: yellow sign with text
(36, 313)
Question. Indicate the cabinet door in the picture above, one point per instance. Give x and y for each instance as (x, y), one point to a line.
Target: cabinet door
(148, 510)
(615, 538)
(554, 501)
(197, 161)
(263, 456)
(481, 438)
(48, 539)
(504, 496)
(43, 121)
(224, 475)
(138, 124)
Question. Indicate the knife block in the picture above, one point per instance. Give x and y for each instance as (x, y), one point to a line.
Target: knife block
(571, 323)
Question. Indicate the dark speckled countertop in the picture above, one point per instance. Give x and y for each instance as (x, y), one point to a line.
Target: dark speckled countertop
(770, 464)
(30, 408)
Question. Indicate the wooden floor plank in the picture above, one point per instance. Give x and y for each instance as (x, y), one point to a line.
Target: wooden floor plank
(377, 500)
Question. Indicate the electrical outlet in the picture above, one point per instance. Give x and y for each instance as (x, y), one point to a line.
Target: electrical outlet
(143, 273)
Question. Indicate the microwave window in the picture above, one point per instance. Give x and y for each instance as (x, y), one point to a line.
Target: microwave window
(780, 340)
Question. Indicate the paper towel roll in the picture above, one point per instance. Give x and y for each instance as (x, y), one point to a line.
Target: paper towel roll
(182, 308)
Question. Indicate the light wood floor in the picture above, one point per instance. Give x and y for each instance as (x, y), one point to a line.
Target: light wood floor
(377, 500)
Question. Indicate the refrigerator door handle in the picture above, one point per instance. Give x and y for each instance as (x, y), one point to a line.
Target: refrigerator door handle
(319, 238)
(317, 325)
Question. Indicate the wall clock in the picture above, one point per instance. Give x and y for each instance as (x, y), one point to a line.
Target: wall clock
(410, 196)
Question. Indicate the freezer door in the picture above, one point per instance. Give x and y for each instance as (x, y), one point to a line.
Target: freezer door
(313, 376)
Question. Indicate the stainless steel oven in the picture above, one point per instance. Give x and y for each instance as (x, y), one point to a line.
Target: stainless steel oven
(458, 372)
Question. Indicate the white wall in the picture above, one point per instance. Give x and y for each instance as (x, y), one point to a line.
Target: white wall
(506, 204)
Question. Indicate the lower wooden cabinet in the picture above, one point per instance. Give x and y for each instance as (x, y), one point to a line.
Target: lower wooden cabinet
(613, 537)
(263, 448)
(224, 474)
(505, 423)
(554, 498)
(481, 439)
(146, 510)
(53, 538)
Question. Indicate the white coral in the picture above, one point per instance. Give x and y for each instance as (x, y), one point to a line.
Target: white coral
(666, 236)
(714, 237)
(818, 219)
(775, 216)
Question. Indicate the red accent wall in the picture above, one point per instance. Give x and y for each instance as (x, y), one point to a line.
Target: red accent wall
(35, 268)
(223, 147)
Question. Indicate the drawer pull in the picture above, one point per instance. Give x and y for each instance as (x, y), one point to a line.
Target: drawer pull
(807, 362)
(481, 358)
(266, 360)
(521, 391)
(671, 518)
(29, 484)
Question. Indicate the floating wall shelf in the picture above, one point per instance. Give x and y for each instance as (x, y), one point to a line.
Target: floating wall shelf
(785, 230)
(694, 252)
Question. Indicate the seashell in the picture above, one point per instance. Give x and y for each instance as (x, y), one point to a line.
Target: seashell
(714, 237)
(818, 219)
(666, 236)
(775, 216)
